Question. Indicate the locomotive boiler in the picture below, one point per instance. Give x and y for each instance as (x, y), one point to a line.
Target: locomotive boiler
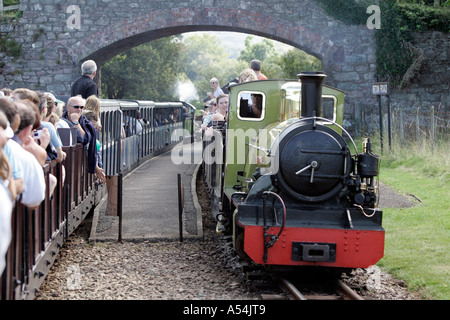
(293, 190)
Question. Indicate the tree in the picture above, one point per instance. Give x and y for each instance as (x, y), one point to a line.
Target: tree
(144, 72)
(295, 61)
(203, 58)
(260, 50)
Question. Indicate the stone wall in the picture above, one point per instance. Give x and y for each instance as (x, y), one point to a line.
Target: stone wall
(430, 86)
(411, 106)
(53, 51)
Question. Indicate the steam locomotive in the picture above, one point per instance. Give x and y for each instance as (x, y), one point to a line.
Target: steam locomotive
(289, 183)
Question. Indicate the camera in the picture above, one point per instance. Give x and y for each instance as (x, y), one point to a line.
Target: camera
(37, 134)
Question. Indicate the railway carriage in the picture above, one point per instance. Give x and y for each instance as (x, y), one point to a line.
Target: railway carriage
(291, 187)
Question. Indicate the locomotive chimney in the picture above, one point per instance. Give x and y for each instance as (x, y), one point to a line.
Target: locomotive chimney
(311, 93)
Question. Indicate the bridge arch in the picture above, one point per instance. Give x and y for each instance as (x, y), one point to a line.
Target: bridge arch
(53, 51)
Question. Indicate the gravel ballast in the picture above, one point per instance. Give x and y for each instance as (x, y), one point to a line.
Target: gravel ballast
(170, 270)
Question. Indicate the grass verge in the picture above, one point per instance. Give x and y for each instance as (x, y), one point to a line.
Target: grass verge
(418, 238)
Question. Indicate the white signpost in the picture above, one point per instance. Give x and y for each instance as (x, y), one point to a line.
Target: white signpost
(382, 89)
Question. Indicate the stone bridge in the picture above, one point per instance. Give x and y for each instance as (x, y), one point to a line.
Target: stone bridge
(56, 36)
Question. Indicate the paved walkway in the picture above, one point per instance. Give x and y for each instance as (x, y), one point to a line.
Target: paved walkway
(150, 201)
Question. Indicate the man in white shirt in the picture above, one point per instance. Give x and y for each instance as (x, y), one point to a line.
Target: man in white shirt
(216, 89)
(33, 174)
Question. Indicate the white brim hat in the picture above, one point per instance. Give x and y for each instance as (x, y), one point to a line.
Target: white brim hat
(8, 132)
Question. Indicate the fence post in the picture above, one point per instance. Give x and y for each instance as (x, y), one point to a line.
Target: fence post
(417, 125)
(402, 128)
(432, 128)
(180, 205)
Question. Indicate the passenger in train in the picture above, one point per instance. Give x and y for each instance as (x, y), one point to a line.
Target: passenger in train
(216, 89)
(12, 115)
(33, 175)
(92, 112)
(37, 149)
(256, 105)
(85, 85)
(6, 177)
(247, 75)
(93, 118)
(85, 133)
(54, 149)
(93, 104)
(7, 197)
(212, 108)
(220, 115)
(255, 65)
(222, 108)
(59, 109)
(6, 91)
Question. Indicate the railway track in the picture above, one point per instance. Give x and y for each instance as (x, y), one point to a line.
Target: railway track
(341, 292)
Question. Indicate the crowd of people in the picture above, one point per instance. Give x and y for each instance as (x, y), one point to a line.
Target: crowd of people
(29, 139)
(215, 108)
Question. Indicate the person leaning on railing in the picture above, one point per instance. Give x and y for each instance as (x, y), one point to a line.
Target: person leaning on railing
(7, 195)
(85, 133)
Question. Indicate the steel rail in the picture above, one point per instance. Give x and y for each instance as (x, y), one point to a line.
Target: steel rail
(348, 291)
(292, 289)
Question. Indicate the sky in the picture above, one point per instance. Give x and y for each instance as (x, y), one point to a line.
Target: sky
(234, 42)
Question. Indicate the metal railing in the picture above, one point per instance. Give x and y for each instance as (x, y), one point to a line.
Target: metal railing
(132, 132)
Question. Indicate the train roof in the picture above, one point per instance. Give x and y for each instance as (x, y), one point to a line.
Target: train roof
(237, 85)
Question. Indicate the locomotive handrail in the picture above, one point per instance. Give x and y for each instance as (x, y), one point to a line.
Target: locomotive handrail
(335, 123)
(273, 238)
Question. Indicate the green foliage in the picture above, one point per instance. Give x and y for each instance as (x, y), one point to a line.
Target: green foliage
(259, 50)
(7, 3)
(149, 71)
(203, 58)
(295, 61)
(10, 47)
(144, 72)
(393, 59)
(277, 65)
(349, 12)
(418, 17)
(398, 20)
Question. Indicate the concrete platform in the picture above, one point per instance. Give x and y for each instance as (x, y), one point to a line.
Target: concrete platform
(150, 200)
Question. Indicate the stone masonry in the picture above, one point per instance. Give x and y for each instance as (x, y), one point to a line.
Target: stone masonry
(53, 52)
